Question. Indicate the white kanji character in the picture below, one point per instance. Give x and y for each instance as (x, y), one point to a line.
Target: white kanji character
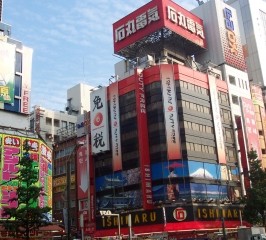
(199, 30)
(120, 33)
(191, 26)
(182, 20)
(172, 14)
(43, 150)
(49, 155)
(153, 15)
(8, 141)
(34, 146)
(141, 21)
(130, 27)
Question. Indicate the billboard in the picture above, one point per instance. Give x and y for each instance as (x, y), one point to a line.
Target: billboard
(170, 113)
(7, 72)
(99, 121)
(251, 132)
(154, 16)
(115, 129)
(232, 47)
(11, 152)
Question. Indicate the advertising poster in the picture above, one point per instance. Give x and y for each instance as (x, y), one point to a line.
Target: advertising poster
(170, 113)
(115, 129)
(118, 180)
(11, 152)
(7, 72)
(251, 132)
(99, 121)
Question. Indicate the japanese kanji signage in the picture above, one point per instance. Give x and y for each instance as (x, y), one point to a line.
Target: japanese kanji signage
(251, 132)
(99, 121)
(170, 113)
(10, 153)
(152, 17)
(115, 129)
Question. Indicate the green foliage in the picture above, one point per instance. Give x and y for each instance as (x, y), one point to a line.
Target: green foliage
(255, 200)
(28, 215)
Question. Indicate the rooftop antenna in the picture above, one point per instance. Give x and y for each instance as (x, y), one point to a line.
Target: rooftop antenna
(200, 2)
(1, 10)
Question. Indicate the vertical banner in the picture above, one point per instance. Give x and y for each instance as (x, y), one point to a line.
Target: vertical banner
(218, 127)
(115, 126)
(144, 150)
(170, 113)
(7, 72)
(251, 132)
(11, 152)
(26, 80)
(99, 121)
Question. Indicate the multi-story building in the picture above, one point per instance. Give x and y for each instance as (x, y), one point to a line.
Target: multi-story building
(226, 52)
(78, 99)
(252, 19)
(15, 87)
(162, 135)
(52, 126)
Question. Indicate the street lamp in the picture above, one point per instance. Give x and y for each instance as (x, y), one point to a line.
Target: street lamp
(68, 188)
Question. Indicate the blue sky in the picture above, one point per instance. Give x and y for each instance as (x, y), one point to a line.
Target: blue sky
(71, 40)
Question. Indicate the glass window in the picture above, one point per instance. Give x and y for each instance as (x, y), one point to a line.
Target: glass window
(235, 99)
(18, 85)
(64, 124)
(18, 62)
(232, 80)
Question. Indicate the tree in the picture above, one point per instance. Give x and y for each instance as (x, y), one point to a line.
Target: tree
(255, 200)
(28, 215)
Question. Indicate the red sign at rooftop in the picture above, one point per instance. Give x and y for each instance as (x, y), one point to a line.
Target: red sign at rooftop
(156, 15)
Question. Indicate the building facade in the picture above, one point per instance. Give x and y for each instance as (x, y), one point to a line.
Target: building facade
(53, 126)
(163, 135)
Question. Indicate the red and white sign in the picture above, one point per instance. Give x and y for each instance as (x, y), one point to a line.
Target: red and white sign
(99, 121)
(170, 113)
(115, 129)
(180, 214)
(251, 132)
(154, 16)
(233, 52)
(144, 150)
(82, 171)
(217, 119)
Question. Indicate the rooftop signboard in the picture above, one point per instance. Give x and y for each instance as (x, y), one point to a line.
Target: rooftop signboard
(154, 17)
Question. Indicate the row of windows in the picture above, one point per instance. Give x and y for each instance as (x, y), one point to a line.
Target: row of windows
(200, 148)
(194, 88)
(241, 82)
(64, 124)
(198, 127)
(64, 152)
(196, 107)
(223, 98)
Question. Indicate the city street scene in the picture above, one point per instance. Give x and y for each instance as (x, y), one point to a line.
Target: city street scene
(133, 120)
